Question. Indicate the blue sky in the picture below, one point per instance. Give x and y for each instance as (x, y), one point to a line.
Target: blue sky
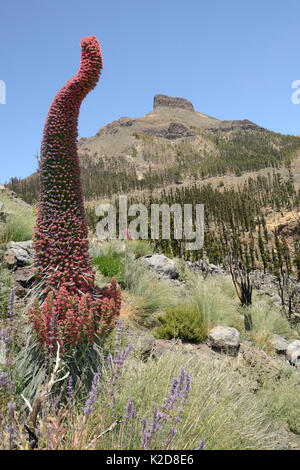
(232, 59)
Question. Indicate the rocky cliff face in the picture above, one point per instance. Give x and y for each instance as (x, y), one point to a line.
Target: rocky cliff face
(241, 124)
(170, 102)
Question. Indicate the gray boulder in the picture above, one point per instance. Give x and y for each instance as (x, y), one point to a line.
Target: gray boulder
(224, 339)
(162, 265)
(293, 353)
(279, 343)
(18, 254)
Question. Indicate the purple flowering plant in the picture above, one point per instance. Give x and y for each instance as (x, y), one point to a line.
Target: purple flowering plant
(101, 421)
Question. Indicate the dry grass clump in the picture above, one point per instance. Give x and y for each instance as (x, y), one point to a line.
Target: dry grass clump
(19, 220)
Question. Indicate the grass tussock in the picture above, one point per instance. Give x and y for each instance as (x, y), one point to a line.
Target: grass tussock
(215, 297)
(199, 304)
(19, 220)
(283, 400)
(227, 404)
(217, 300)
(221, 409)
(268, 320)
(5, 282)
(148, 295)
(18, 227)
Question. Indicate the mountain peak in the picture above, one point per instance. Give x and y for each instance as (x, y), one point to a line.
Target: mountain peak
(171, 102)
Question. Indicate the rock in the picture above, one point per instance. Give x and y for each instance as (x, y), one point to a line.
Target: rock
(18, 254)
(10, 260)
(238, 124)
(126, 121)
(2, 213)
(162, 347)
(145, 348)
(279, 343)
(289, 227)
(293, 353)
(177, 130)
(20, 292)
(143, 343)
(162, 265)
(205, 267)
(27, 245)
(256, 358)
(276, 299)
(170, 102)
(24, 276)
(224, 339)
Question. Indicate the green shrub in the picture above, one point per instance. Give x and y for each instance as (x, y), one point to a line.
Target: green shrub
(111, 264)
(184, 321)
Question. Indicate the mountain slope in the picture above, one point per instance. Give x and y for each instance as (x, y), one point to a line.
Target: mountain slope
(172, 143)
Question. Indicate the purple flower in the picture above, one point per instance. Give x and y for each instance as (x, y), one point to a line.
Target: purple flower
(70, 391)
(129, 410)
(110, 361)
(5, 332)
(10, 309)
(11, 409)
(179, 391)
(144, 433)
(201, 445)
(3, 379)
(116, 363)
(92, 396)
(10, 430)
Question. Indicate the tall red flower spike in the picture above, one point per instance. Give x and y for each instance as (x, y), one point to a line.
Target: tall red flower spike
(60, 237)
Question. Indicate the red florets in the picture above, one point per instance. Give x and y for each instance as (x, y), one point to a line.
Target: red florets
(60, 236)
(70, 320)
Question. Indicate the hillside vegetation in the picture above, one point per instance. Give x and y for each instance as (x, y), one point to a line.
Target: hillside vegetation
(248, 402)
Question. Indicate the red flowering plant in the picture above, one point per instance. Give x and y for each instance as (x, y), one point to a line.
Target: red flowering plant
(73, 308)
(71, 319)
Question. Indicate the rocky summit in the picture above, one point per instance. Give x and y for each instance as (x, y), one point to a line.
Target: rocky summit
(170, 102)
